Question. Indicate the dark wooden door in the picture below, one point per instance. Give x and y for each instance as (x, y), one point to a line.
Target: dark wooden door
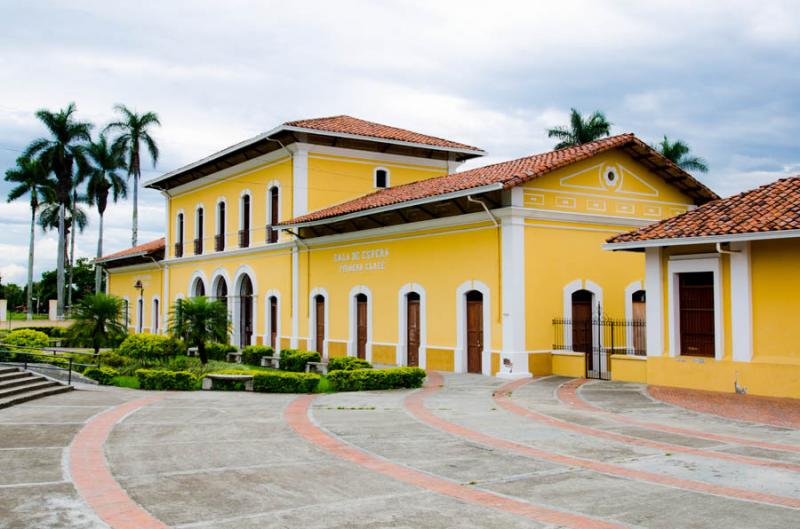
(474, 334)
(319, 316)
(245, 312)
(696, 297)
(273, 322)
(412, 331)
(361, 326)
(582, 327)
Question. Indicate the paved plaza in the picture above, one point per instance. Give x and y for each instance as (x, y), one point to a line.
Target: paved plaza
(465, 451)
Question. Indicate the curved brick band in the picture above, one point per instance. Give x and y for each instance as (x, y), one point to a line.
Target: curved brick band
(297, 417)
(93, 479)
(415, 405)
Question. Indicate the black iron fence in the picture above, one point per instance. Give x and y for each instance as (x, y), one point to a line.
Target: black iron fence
(47, 359)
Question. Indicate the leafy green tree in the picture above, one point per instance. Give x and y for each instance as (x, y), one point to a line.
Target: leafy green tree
(580, 130)
(61, 152)
(134, 130)
(31, 177)
(199, 320)
(105, 159)
(678, 152)
(98, 319)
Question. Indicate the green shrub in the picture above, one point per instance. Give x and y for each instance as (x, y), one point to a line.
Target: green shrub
(295, 360)
(347, 363)
(27, 338)
(218, 351)
(159, 379)
(281, 382)
(52, 332)
(103, 375)
(252, 354)
(113, 359)
(367, 379)
(150, 346)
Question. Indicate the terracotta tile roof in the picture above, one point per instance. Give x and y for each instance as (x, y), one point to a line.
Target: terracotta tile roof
(146, 248)
(360, 127)
(772, 207)
(507, 174)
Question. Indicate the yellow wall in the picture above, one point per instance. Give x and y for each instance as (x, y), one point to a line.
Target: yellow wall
(569, 364)
(628, 368)
(121, 283)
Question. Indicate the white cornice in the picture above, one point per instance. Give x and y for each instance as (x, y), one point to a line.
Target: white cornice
(734, 237)
(231, 253)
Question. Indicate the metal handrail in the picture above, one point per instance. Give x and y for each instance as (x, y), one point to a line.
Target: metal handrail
(54, 353)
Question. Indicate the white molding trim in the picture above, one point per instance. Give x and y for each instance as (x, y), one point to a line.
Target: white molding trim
(245, 193)
(272, 293)
(597, 299)
(401, 357)
(438, 167)
(312, 320)
(654, 290)
(460, 355)
(352, 346)
(155, 315)
(674, 268)
(295, 296)
(218, 222)
(268, 209)
(375, 177)
(165, 297)
(735, 237)
(300, 181)
(241, 272)
(139, 314)
(180, 233)
(741, 303)
(126, 316)
(512, 267)
(198, 275)
(197, 208)
(221, 274)
(630, 290)
(167, 227)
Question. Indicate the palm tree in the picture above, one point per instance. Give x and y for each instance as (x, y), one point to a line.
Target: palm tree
(105, 160)
(61, 152)
(580, 130)
(199, 320)
(98, 317)
(49, 220)
(32, 179)
(678, 152)
(134, 130)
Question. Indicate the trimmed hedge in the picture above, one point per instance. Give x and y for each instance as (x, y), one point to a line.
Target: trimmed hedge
(27, 338)
(295, 360)
(347, 363)
(103, 375)
(52, 332)
(281, 382)
(148, 346)
(252, 354)
(159, 379)
(368, 379)
(218, 351)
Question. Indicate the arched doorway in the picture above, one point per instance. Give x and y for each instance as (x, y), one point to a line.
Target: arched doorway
(272, 314)
(319, 323)
(581, 319)
(361, 325)
(637, 325)
(198, 288)
(412, 329)
(221, 292)
(245, 311)
(474, 300)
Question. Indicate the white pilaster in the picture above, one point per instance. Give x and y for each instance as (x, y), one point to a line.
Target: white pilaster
(299, 180)
(513, 358)
(653, 286)
(741, 303)
(295, 297)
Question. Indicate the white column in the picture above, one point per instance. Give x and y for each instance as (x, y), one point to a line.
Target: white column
(299, 180)
(165, 304)
(653, 286)
(295, 297)
(3, 310)
(513, 358)
(741, 303)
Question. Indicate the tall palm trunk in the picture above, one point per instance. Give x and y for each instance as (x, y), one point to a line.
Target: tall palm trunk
(135, 221)
(73, 228)
(60, 262)
(98, 271)
(29, 299)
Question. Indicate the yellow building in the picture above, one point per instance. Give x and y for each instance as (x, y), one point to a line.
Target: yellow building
(354, 238)
(723, 294)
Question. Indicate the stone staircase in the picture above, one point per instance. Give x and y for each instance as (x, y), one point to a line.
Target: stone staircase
(17, 386)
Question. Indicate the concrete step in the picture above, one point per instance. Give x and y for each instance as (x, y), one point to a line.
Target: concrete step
(35, 384)
(6, 383)
(6, 370)
(15, 375)
(25, 397)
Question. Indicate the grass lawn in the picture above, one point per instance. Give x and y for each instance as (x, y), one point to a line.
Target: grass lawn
(24, 316)
(124, 381)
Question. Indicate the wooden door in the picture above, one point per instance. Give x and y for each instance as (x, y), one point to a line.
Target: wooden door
(412, 330)
(582, 326)
(361, 326)
(639, 317)
(273, 322)
(696, 301)
(245, 312)
(474, 332)
(319, 317)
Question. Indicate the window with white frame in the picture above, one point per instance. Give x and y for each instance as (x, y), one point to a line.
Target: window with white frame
(381, 177)
(695, 307)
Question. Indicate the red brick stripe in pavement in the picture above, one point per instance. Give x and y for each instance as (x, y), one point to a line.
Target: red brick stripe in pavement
(568, 394)
(296, 416)
(415, 405)
(92, 476)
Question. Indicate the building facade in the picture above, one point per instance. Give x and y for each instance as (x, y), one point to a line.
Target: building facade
(353, 238)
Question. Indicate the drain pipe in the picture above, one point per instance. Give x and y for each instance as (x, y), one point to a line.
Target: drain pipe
(720, 250)
(485, 208)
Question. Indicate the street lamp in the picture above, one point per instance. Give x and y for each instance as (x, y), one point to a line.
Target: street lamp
(140, 305)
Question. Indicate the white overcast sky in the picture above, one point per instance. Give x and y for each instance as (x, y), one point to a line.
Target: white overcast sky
(724, 76)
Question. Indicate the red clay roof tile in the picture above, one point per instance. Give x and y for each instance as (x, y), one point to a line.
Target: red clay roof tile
(148, 247)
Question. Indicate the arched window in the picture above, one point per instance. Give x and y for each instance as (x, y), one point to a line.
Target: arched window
(245, 311)
(139, 315)
(198, 288)
(222, 291)
(156, 317)
(273, 211)
(219, 238)
(198, 231)
(179, 235)
(244, 222)
(381, 177)
(126, 313)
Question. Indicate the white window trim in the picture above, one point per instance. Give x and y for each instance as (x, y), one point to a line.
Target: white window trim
(245, 193)
(312, 320)
(741, 302)
(155, 316)
(268, 325)
(375, 177)
(277, 185)
(630, 290)
(217, 221)
(126, 312)
(140, 314)
(688, 265)
(243, 270)
(401, 357)
(352, 346)
(180, 237)
(198, 275)
(197, 209)
(597, 298)
(460, 360)
(220, 274)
